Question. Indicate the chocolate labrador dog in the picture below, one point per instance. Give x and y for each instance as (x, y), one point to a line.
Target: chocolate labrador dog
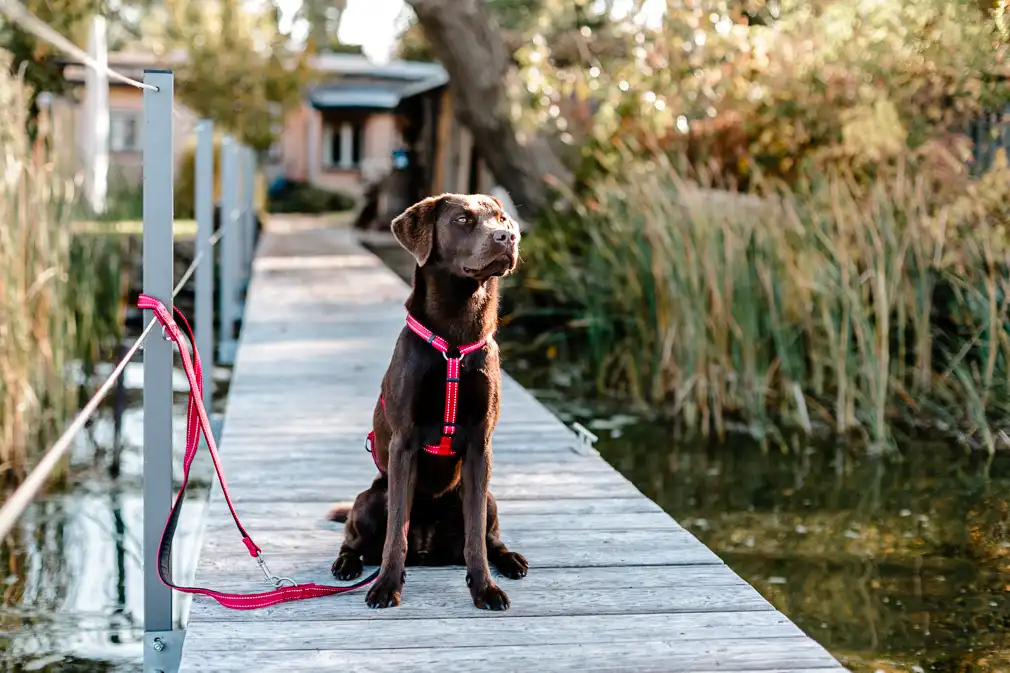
(437, 409)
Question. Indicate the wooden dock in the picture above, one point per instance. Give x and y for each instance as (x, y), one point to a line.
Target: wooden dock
(614, 584)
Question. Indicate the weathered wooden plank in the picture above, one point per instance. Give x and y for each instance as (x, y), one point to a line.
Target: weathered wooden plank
(453, 600)
(627, 657)
(272, 491)
(675, 579)
(514, 631)
(559, 548)
(526, 514)
(305, 516)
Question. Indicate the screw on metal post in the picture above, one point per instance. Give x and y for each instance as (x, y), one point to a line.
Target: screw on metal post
(158, 645)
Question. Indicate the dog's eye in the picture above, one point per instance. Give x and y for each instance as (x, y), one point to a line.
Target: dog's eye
(462, 219)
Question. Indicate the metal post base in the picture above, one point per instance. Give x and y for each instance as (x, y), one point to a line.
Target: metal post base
(163, 651)
(226, 353)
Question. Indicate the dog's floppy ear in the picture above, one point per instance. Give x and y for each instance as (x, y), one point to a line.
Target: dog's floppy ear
(414, 228)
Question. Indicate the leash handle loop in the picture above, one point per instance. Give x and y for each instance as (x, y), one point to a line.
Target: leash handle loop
(197, 425)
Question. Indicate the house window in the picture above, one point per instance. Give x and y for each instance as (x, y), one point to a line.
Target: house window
(124, 130)
(343, 143)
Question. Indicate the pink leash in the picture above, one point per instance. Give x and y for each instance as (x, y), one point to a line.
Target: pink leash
(197, 423)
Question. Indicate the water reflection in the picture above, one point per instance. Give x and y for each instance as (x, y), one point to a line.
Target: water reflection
(890, 565)
(71, 573)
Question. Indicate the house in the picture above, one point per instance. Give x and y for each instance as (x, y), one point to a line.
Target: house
(344, 135)
(126, 116)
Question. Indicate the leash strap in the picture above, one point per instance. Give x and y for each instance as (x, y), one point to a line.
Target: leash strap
(197, 424)
(452, 367)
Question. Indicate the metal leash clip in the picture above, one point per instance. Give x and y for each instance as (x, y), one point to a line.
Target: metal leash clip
(273, 580)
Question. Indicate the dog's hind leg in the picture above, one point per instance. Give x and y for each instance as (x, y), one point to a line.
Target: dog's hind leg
(509, 563)
(364, 532)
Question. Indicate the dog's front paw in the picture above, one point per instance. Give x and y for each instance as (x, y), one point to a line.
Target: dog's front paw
(347, 566)
(385, 593)
(488, 596)
(512, 565)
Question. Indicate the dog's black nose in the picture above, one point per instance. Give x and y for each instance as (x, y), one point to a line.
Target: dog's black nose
(504, 236)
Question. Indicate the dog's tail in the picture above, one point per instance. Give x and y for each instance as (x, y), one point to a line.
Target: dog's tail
(339, 512)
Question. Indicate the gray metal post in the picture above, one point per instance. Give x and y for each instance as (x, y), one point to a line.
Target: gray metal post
(204, 200)
(242, 226)
(229, 250)
(250, 225)
(162, 646)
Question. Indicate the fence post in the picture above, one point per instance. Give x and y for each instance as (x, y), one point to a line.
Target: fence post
(162, 645)
(204, 200)
(250, 224)
(229, 250)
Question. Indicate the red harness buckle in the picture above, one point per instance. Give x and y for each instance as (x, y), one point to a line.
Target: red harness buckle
(452, 367)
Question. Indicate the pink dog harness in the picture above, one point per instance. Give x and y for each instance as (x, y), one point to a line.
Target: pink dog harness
(452, 366)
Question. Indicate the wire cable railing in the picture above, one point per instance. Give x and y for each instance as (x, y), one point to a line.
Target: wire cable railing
(19, 14)
(19, 501)
(236, 234)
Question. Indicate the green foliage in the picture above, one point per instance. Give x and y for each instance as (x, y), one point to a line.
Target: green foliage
(239, 69)
(185, 181)
(816, 84)
(34, 58)
(299, 197)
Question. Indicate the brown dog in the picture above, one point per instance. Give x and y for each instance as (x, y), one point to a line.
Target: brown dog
(438, 407)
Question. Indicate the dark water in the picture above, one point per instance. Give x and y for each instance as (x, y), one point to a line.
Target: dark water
(70, 575)
(891, 565)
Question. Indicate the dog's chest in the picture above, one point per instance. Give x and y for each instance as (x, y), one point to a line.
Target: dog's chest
(473, 398)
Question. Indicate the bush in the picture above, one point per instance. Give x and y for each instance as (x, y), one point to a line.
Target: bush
(300, 197)
(837, 304)
(777, 87)
(185, 181)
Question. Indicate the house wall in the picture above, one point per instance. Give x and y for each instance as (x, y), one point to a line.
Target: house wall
(125, 168)
(304, 152)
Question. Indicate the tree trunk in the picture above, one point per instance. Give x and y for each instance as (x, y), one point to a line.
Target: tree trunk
(470, 46)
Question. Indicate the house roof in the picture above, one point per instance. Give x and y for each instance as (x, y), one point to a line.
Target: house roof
(354, 95)
(358, 82)
(367, 84)
(131, 64)
(356, 64)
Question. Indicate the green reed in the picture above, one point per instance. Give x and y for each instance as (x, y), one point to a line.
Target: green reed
(835, 305)
(58, 292)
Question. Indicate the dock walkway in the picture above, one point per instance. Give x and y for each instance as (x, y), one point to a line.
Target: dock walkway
(614, 584)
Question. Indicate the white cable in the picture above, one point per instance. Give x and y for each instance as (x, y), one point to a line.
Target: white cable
(20, 14)
(18, 502)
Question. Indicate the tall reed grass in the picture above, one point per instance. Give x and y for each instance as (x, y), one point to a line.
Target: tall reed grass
(57, 291)
(839, 306)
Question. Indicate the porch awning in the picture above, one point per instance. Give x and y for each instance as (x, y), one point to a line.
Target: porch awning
(345, 96)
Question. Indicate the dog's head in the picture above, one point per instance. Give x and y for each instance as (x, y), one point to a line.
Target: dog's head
(465, 234)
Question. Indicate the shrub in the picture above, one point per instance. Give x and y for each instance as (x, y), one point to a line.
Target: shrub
(300, 197)
(185, 181)
(777, 87)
